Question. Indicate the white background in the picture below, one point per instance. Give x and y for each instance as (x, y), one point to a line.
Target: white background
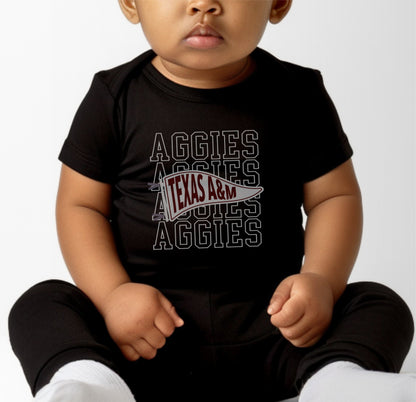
(50, 50)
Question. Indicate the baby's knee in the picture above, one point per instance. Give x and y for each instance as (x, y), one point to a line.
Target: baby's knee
(382, 300)
(35, 307)
(35, 299)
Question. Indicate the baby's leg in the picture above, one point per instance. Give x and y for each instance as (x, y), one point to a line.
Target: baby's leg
(53, 327)
(362, 352)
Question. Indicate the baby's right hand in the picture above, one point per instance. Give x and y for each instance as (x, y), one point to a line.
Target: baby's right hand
(139, 319)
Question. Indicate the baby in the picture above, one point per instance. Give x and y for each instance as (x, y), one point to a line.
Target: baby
(179, 218)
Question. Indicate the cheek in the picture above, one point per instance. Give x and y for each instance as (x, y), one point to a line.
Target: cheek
(251, 23)
(158, 38)
(247, 39)
(160, 21)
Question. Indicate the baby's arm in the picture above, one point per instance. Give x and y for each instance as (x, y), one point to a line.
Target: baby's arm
(302, 304)
(138, 317)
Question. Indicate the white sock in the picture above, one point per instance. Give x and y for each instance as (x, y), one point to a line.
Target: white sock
(348, 382)
(85, 381)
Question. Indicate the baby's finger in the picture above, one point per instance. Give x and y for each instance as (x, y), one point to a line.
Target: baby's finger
(292, 311)
(276, 303)
(164, 323)
(298, 331)
(306, 340)
(144, 349)
(129, 353)
(280, 296)
(155, 338)
(168, 307)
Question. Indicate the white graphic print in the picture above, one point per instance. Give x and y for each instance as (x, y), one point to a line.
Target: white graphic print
(187, 190)
(208, 190)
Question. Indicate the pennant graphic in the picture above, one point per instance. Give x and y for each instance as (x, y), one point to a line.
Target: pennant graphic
(187, 190)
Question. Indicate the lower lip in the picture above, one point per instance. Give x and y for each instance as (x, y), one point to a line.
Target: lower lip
(203, 42)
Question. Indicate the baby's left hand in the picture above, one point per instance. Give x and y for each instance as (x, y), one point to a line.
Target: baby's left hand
(301, 308)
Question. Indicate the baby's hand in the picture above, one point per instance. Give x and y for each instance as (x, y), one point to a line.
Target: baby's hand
(301, 307)
(139, 319)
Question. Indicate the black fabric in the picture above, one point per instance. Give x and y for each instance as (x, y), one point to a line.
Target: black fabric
(54, 323)
(265, 136)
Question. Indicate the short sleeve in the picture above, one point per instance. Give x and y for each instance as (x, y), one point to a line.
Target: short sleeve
(91, 145)
(325, 145)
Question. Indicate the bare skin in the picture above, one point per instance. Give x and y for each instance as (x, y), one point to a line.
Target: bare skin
(208, 42)
(302, 304)
(139, 318)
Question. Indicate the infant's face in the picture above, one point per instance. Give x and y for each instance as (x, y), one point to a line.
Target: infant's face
(196, 35)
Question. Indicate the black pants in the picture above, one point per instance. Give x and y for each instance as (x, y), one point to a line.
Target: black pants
(54, 323)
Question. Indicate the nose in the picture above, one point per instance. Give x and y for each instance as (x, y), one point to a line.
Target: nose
(204, 6)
